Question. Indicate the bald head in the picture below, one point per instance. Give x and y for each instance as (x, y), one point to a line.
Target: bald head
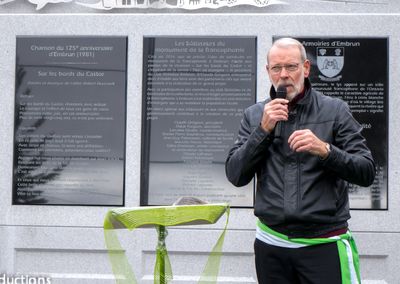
(288, 42)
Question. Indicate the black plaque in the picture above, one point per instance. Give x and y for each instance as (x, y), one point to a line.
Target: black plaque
(70, 116)
(194, 92)
(356, 70)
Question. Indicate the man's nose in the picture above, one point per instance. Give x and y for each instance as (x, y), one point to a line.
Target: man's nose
(284, 73)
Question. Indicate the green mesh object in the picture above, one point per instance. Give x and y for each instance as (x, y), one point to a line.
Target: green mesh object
(161, 217)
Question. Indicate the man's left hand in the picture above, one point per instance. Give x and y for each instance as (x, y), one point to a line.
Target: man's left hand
(305, 141)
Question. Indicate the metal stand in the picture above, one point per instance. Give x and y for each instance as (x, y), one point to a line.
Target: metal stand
(161, 249)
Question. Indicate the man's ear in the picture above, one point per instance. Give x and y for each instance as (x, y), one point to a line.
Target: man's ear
(307, 68)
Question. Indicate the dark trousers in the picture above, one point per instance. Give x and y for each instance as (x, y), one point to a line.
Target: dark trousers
(318, 264)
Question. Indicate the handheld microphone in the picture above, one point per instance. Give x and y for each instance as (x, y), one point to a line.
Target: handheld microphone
(281, 93)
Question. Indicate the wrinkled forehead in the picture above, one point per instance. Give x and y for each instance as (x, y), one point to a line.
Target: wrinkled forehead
(283, 54)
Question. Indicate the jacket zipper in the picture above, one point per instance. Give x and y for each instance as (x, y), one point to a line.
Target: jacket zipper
(297, 119)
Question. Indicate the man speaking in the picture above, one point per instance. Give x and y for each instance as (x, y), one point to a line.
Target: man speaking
(303, 173)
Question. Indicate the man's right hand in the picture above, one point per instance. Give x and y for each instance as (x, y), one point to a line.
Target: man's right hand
(274, 111)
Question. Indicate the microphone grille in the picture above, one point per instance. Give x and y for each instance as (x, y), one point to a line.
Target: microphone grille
(281, 92)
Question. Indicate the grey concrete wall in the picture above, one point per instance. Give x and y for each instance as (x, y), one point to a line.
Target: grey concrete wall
(66, 243)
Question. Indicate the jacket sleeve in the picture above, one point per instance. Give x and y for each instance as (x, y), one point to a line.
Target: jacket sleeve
(350, 157)
(247, 151)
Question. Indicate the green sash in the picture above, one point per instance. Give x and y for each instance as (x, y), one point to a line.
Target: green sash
(161, 217)
(348, 254)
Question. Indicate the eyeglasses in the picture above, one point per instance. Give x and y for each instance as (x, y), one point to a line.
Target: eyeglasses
(277, 69)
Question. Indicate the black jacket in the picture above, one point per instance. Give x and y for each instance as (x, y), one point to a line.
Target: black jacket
(298, 193)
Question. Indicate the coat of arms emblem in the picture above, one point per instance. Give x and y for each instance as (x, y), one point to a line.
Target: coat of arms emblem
(330, 61)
